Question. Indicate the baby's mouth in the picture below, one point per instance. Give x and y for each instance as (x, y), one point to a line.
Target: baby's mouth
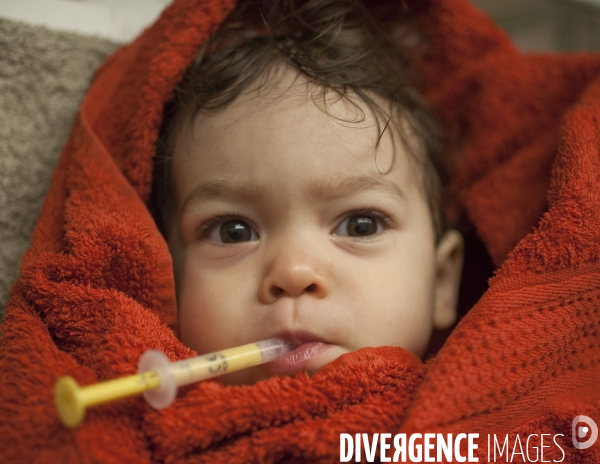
(308, 348)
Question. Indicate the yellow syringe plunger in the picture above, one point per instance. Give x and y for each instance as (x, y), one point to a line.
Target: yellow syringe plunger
(72, 400)
(159, 378)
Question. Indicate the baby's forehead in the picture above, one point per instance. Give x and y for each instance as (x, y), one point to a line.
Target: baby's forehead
(293, 129)
(299, 112)
(293, 120)
(287, 103)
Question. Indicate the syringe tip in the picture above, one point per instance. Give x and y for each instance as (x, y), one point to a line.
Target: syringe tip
(273, 348)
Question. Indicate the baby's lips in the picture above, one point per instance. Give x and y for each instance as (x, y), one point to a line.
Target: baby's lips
(297, 359)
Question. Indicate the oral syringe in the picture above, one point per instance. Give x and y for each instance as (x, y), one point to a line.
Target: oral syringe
(158, 378)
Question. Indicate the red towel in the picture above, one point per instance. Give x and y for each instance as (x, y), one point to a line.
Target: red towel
(96, 288)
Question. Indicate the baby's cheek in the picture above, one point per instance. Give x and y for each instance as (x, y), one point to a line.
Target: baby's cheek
(203, 329)
(195, 314)
(214, 309)
(400, 311)
(190, 329)
(417, 321)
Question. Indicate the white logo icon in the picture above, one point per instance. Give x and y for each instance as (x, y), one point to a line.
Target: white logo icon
(582, 431)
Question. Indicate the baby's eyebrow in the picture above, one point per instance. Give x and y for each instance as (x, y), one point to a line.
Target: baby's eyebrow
(340, 186)
(347, 186)
(244, 190)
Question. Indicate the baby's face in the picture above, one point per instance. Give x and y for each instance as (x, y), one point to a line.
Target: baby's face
(290, 224)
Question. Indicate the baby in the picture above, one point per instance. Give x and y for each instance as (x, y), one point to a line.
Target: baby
(299, 190)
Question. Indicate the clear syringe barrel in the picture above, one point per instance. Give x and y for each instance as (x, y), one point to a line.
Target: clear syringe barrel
(177, 374)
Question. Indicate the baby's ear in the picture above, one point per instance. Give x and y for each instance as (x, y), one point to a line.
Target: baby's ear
(449, 263)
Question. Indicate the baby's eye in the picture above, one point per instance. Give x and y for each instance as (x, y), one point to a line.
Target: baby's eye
(358, 226)
(232, 231)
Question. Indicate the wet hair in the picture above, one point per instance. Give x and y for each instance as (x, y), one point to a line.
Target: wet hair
(344, 49)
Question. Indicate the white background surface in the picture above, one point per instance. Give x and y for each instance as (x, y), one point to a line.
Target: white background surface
(116, 20)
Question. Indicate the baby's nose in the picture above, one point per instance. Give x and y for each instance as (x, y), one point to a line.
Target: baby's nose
(292, 278)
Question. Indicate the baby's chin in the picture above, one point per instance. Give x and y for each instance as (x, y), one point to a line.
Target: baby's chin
(308, 358)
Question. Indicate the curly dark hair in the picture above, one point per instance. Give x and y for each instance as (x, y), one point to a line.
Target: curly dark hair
(340, 46)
